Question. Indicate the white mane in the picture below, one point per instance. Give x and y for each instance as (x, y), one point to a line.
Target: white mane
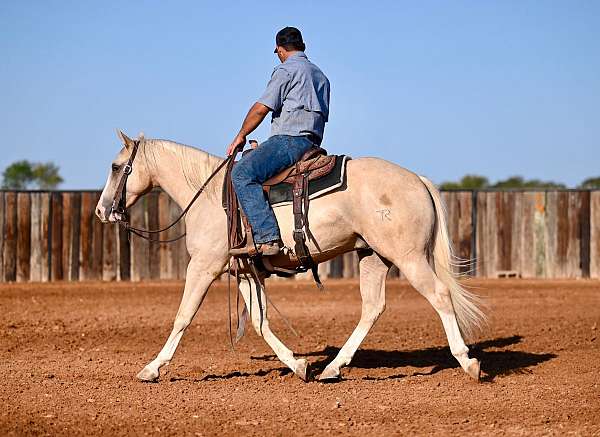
(196, 165)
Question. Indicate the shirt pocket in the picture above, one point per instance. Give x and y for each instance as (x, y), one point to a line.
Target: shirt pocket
(306, 102)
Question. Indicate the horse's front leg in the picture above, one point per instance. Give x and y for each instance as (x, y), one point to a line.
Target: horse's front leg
(256, 303)
(200, 274)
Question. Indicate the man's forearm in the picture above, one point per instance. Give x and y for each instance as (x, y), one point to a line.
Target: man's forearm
(255, 116)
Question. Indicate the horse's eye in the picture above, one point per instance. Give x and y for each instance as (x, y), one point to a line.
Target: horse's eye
(115, 167)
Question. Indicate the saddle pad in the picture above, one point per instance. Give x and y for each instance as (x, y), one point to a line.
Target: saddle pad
(281, 194)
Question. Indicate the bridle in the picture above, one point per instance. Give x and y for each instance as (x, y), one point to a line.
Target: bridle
(119, 203)
(120, 197)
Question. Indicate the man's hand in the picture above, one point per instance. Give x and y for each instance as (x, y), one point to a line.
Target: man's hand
(237, 141)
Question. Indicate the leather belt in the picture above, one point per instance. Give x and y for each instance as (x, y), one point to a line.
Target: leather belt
(314, 139)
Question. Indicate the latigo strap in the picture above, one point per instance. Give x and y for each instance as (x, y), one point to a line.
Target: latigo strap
(300, 208)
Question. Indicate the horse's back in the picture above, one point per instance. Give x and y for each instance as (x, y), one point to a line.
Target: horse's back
(379, 197)
(373, 168)
(374, 176)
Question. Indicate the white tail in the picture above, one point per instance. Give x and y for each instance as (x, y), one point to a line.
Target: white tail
(467, 306)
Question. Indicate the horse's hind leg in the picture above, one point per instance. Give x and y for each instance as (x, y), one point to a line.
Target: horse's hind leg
(256, 303)
(421, 276)
(373, 272)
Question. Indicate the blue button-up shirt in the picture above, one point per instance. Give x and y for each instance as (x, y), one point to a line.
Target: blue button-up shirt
(298, 95)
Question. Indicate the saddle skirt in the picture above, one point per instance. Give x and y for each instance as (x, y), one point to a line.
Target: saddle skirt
(281, 194)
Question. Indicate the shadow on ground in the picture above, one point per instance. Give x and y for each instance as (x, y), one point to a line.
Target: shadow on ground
(493, 362)
(279, 371)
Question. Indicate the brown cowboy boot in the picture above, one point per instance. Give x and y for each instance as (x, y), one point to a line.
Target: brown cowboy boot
(265, 249)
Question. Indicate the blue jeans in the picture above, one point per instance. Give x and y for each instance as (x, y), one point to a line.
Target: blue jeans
(264, 162)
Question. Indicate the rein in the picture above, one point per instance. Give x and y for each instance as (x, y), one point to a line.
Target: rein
(119, 200)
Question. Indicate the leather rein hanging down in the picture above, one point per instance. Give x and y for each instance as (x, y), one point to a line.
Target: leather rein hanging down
(120, 199)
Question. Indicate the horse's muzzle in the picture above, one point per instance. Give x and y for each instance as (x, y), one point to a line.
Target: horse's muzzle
(106, 215)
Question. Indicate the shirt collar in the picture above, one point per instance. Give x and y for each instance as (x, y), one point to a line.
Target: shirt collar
(296, 55)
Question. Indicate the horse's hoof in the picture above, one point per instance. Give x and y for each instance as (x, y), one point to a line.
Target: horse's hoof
(302, 369)
(474, 369)
(148, 375)
(329, 375)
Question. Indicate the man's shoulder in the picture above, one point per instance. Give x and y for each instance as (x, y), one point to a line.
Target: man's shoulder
(282, 69)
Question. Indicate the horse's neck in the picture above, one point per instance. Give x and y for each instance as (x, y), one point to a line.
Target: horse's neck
(181, 170)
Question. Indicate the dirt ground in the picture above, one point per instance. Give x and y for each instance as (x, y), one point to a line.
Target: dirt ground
(70, 352)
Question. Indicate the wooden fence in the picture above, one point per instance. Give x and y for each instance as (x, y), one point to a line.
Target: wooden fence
(50, 236)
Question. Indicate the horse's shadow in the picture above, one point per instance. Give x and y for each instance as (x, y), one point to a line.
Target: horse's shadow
(493, 363)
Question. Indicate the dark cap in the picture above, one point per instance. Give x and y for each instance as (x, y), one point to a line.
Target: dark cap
(288, 35)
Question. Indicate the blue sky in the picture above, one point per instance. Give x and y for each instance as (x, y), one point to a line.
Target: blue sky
(442, 88)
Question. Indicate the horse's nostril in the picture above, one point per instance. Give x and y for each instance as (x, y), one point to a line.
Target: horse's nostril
(98, 212)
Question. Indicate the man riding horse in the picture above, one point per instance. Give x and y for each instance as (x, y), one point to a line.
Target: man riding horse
(411, 233)
(298, 96)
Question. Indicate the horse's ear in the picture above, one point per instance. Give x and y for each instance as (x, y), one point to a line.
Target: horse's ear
(141, 137)
(127, 142)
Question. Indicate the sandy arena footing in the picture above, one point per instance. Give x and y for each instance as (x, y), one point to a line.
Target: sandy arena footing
(70, 352)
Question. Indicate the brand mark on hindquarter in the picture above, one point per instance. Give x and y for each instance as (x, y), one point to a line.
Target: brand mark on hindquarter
(385, 214)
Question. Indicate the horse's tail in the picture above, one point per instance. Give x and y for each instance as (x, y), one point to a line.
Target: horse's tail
(467, 306)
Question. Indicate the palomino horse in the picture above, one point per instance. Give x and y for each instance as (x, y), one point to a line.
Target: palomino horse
(389, 215)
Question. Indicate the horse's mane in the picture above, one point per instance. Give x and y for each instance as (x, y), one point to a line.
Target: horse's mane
(196, 165)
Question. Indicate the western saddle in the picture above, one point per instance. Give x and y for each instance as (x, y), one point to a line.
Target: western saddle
(314, 164)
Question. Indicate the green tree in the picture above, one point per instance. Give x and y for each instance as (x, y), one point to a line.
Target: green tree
(17, 176)
(590, 183)
(47, 176)
(22, 175)
(468, 182)
(520, 182)
(478, 182)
